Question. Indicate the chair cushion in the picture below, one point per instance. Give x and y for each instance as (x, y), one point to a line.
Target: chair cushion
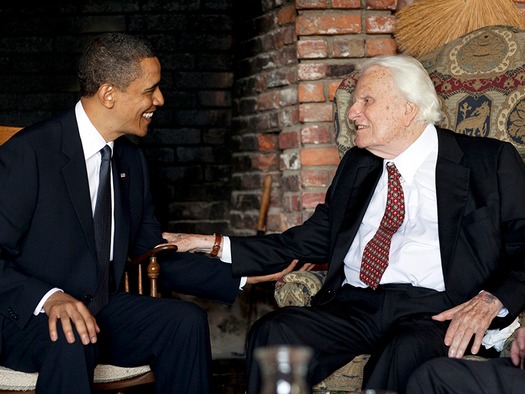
(297, 288)
(17, 381)
(344, 129)
(104, 373)
(480, 80)
(348, 378)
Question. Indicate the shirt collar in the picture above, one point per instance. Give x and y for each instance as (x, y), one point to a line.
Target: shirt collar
(92, 141)
(413, 157)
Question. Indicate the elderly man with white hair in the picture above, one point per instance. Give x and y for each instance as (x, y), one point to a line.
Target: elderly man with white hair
(422, 232)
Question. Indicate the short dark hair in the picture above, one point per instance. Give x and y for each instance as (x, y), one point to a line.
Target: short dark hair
(111, 58)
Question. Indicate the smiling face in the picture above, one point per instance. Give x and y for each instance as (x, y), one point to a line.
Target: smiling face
(134, 107)
(384, 119)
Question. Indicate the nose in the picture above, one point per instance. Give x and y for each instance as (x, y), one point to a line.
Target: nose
(353, 112)
(158, 98)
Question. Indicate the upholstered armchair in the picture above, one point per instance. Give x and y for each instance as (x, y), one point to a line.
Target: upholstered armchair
(480, 79)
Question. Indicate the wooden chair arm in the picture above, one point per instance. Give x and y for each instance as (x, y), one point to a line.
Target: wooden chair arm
(153, 268)
(151, 253)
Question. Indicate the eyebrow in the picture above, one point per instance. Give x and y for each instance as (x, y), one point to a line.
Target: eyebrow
(152, 88)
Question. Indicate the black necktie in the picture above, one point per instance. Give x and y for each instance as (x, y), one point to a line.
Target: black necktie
(102, 221)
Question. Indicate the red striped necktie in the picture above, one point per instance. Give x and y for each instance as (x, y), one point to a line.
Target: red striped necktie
(377, 250)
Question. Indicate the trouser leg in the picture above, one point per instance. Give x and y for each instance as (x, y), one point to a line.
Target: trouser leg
(453, 376)
(63, 368)
(410, 336)
(401, 352)
(357, 321)
(334, 338)
(170, 335)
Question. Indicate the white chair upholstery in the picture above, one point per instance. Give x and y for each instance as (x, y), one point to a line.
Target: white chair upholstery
(21, 381)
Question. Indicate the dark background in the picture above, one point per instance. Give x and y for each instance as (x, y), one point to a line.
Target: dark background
(189, 145)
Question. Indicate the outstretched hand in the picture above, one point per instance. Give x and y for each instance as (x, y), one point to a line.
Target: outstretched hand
(192, 243)
(202, 243)
(472, 318)
(70, 312)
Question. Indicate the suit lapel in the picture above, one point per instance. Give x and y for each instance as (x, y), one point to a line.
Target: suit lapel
(452, 186)
(358, 186)
(75, 177)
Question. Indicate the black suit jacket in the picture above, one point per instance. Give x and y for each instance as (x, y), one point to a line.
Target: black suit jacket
(46, 224)
(480, 184)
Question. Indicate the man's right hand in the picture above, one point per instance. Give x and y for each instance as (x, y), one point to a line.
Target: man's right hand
(70, 312)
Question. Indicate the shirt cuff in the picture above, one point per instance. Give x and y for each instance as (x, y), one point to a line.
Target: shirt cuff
(226, 257)
(40, 307)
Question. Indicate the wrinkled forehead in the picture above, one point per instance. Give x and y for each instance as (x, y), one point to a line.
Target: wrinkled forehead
(376, 79)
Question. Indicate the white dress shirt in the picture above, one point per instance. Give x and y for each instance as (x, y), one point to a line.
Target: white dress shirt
(92, 143)
(415, 256)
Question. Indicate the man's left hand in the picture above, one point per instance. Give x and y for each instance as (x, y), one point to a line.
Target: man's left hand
(470, 318)
(272, 277)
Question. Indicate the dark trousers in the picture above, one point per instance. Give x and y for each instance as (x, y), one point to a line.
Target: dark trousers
(172, 336)
(392, 323)
(452, 376)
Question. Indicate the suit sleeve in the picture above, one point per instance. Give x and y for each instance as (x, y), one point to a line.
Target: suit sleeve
(508, 282)
(19, 292)
(199, 275)
(311, 241)
(185, 273)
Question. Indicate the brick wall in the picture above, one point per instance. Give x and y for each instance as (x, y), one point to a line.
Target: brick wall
(332, 38)
(265, 107)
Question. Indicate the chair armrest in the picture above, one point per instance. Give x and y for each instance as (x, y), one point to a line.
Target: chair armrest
(153, 252)
(153, 268)
(297, 288)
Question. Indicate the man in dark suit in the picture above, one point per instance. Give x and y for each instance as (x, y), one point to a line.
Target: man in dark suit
(52, 318)
(505, 375)
(453, 268)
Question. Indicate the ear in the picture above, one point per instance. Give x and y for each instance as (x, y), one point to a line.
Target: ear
(411, 111)
(106, 95)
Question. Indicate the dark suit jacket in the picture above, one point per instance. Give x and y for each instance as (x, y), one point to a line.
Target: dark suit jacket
(480, 185)
(46, 225)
